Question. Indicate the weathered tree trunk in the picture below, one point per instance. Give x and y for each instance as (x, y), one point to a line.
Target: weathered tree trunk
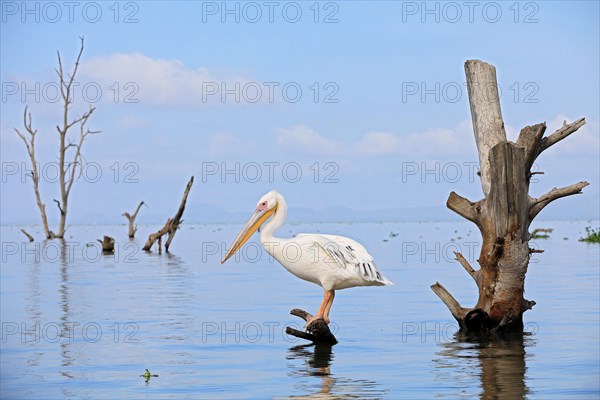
(131, 219)
(171, 225)
(506, 212)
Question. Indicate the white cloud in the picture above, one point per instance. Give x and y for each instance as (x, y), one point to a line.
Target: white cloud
(378, 143)
(437, 142)
(154, 81)
(300, 138)
(431, 143)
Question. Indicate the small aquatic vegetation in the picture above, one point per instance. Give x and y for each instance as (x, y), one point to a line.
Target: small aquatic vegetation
(147, 375)
(591, 235)
(541, 233)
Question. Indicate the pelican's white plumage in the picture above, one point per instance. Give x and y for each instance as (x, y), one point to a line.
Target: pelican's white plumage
(330, 261)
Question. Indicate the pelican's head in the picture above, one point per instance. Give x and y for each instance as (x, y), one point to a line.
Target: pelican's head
(267, 205)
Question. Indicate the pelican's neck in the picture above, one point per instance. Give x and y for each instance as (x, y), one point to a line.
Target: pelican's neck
(266, 234)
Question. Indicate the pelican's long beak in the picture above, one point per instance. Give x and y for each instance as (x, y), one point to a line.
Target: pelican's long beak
(255, 221)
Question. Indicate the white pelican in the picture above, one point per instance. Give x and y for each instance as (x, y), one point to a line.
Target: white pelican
(332, 262)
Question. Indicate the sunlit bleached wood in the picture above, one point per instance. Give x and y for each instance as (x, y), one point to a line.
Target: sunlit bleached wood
(488, 125)
(505, 213)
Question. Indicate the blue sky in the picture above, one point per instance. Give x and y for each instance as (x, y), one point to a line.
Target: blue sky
(356, 104)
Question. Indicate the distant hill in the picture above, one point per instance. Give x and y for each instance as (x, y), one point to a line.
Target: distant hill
(206, 213)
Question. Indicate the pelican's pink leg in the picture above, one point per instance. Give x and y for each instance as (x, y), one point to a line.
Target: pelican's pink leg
(323, 309)
(328, 306)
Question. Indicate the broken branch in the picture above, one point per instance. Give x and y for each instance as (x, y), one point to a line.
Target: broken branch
(463, 207)
(536, 205)
(561, 133)
(457, 311)
(27, 234)
(463, 261)
(59, 207)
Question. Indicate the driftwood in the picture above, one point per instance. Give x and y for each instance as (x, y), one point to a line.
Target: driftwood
(505, 213)
(27, 234)
(317, 330)
(171, 225)
(131, 219)
(108, 244)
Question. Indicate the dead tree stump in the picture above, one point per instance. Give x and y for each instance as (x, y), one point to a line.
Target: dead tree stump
(504, 215)
(131, 219)
(318, 330)
(108, 244)
(171, 225)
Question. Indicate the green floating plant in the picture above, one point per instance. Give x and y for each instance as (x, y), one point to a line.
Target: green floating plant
(591, 235)
(147, 375)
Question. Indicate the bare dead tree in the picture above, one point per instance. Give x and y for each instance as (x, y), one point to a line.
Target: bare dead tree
(171, 225)
(504, 215)
(70, 156)
(131, 219)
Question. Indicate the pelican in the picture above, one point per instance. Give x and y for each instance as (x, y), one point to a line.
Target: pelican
(330, 261)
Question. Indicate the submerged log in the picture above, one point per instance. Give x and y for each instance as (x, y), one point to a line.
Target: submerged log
(317, 330)
(171, 226)
(505, 213)
(108, 244)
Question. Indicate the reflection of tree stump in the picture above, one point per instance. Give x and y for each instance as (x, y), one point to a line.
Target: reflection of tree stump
(108, 244)
(498, 359)
(317, 330)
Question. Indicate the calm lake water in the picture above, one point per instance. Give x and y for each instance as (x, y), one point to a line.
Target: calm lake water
(77, 324)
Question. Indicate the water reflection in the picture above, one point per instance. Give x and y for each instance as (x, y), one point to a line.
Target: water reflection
(495, 364)
(311, 367)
